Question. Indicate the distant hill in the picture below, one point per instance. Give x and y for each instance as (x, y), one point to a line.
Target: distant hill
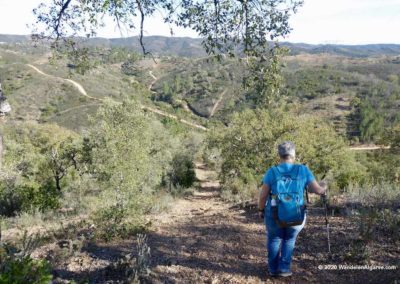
(13, 38)
(191, 47)
(346, 50)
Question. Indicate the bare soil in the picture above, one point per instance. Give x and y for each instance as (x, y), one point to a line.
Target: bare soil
(203, 239)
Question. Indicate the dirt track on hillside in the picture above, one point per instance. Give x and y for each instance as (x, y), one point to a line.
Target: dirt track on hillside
(217, 103)
(83, 92)
(78, 86)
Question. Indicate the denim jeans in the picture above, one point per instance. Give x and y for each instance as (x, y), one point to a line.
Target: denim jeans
(280, 244)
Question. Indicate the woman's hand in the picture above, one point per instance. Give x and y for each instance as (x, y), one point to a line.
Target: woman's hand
(318, 188)
(323, 184)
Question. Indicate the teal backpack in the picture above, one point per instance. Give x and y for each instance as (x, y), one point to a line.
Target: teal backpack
(287, 197)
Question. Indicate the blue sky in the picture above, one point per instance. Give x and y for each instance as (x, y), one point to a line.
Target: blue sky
(318, 21)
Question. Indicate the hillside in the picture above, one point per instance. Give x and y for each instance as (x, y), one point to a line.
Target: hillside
(191, 47)
(323, 84)
(51, 93)
(199, 89)
(147, 171)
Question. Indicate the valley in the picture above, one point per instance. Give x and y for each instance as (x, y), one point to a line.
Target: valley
(120, 168)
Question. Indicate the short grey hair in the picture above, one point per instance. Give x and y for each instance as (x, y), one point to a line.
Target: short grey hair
(287, 148)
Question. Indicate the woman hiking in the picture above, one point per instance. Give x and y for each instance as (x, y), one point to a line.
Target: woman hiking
(282, 206)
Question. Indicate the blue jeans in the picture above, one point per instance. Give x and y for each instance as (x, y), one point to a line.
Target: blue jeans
(280, 244)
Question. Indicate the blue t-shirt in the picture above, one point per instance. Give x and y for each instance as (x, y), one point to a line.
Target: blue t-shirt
(269, 177)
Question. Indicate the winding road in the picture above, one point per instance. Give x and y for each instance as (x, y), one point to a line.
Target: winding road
(83, 92)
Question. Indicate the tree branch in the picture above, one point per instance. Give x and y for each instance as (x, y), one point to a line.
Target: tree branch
(60, 15)
(142, 15)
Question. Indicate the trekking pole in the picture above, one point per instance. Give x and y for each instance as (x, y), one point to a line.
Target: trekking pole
(325, 202)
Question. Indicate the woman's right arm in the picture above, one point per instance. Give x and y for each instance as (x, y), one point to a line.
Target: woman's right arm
(320, 188)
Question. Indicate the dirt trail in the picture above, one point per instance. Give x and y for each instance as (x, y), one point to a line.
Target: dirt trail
(185, 106)
(217, 103)
(155, 79)
(203, 239)
(83, 92)
(368, 148)
(184, 121)
(78, 86)
(73, 108)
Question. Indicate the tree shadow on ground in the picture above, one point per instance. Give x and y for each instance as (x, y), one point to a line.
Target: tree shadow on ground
(230, 246)
(206, 244)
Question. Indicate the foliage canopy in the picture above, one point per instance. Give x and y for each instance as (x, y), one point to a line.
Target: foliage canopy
(223, 24)
(131, 152)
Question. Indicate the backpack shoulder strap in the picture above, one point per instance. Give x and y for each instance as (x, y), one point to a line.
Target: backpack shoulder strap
(295, 172)
(299, 171)
(307, 200)
(276, 172)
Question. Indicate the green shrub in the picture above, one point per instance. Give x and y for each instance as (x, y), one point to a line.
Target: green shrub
(182, 172)
(113, 223)
(25, 270)
(248, 148)
(131, 152)
(18, 195)
(130, 67)
(373, 222)
(39, 162)
(357, 252)
(236, 190)
(11, 202)
(17, 266)
(381, 195)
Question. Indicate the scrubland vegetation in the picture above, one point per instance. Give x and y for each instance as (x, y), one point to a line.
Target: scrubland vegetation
(127, 167)
(98, 173)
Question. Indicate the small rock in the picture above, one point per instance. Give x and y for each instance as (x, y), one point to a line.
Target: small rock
(64, 243)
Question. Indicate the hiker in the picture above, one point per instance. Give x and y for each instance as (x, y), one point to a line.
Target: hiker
(282, 206)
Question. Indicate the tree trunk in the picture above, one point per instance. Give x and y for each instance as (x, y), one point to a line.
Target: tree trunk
(1, 151)
(58, 182)
(1, 160)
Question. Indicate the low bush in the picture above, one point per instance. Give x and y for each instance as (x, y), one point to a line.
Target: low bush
(357, 252)
(378, 222)
(235, 190)
(17, 195)
(24, 270)
(18, 267)
(382, 195)
(182, 173)
(248, 147)
(114, 223)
